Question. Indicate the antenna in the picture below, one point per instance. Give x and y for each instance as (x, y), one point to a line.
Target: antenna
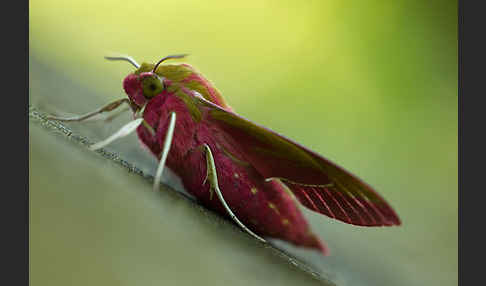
(124, 58)
(168, 58)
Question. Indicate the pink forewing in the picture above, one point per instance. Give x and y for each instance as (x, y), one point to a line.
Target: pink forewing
(318, 184)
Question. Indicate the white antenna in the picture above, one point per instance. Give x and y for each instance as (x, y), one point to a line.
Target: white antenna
(124, 58)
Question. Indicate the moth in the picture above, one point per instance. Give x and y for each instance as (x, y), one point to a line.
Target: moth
(240, 169)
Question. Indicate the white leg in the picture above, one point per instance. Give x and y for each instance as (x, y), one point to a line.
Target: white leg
(115, 115)
(124, 131)
(165, 150)
(109, 107)
(212, 177)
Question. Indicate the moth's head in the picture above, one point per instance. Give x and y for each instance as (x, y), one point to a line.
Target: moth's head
(142, 87)
(146, 82)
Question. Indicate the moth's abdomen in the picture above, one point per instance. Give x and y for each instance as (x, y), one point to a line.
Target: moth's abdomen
(265, 207)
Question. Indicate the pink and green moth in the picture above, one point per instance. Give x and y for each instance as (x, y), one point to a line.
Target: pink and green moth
(238, 168)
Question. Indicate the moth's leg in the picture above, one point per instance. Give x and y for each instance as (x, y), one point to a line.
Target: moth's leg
(116, 114)
(212, 177)
(124, 131)
(165, 150)
(109, 107)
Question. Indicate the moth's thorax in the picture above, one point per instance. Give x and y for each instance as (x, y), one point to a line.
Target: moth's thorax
(187, 76)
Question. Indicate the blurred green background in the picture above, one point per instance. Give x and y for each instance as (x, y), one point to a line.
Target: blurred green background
(371, 85)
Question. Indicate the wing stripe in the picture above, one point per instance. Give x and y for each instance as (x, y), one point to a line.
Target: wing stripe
(337, 205)
(325, 209)
(379, 217)
(307, 202)
(356, 217)
(379, 209)
(364, 214)
(341, 205)
(327, 201)
(387, 212)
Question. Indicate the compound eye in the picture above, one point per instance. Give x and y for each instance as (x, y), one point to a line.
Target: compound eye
(152, 85)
